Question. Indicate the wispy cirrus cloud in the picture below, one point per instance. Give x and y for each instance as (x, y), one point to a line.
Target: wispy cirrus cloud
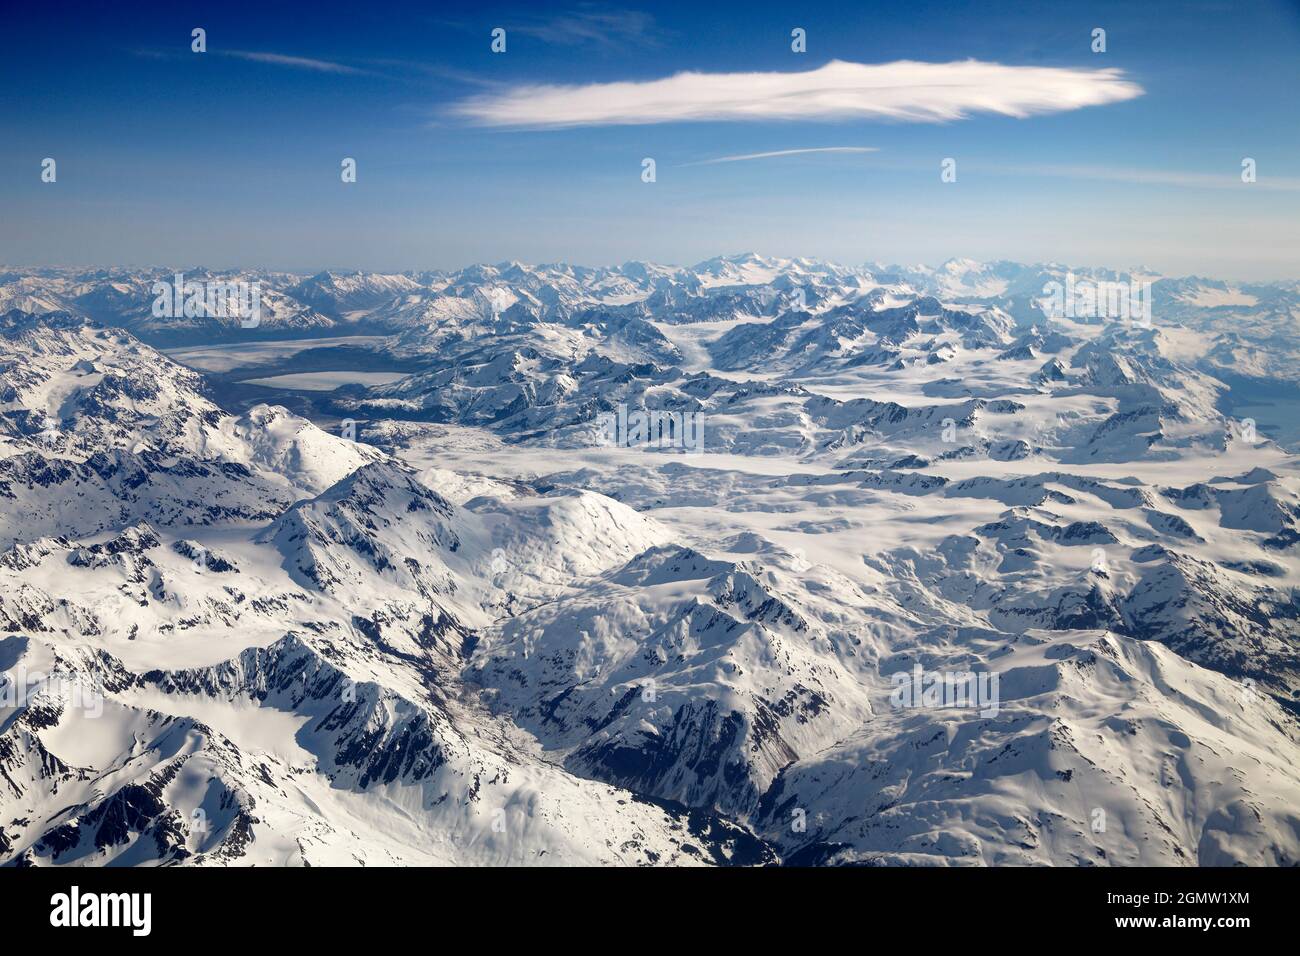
(1230, 178)
(902, 91)
(781, 152)
(297, 62)
(255, 56)
(590, 25)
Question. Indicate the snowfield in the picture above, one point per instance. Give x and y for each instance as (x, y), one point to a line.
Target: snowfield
(952, 580)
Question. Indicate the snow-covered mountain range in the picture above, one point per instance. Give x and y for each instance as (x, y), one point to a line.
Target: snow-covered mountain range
(756, 561)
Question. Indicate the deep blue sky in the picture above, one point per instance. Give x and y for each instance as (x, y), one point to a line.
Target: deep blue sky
(170, 157)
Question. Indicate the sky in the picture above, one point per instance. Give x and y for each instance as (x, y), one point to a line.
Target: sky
(232, 157)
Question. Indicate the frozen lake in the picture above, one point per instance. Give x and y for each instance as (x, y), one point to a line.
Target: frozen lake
(324, 381)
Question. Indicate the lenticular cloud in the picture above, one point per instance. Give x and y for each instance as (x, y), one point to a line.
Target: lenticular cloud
(904, 91)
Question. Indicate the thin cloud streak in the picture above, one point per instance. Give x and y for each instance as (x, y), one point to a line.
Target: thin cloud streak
(902, 91)
(297, 62)
(1229, 179)
(606, 28)
(781, 152)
